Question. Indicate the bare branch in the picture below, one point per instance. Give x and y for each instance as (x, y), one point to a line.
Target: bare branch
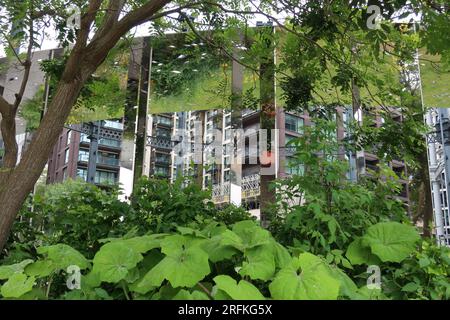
(140, 15)
(12, 48)
(27, 65)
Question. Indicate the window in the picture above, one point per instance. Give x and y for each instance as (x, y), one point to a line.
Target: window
(69, 137)
(293, 123)
(66, 156)
(162, 158)
(64, 174)
(164, 120)
(105, 177)
(82, 173)
(108, 158)
(162, 132)
(161, 171)
(109, 142)
(293, 167)
(226, 176)
(83, 155)
(84, 138)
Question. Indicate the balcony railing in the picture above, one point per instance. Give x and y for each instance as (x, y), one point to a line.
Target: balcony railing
(251, 186)
(108, 161)
(100, 160)
(103, 141)
(164, 121)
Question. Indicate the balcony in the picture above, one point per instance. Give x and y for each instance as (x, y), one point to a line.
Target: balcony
(163, 121)
(84, 157)
(103, 141)
(108, 161)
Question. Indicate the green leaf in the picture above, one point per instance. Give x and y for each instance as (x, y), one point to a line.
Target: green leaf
(358, 253)
(347, 287)
(282, 256)
(144, 243)
(217, 250)
(113, 261)
(260, 263)
(410, 287)
(63, 256)
(186, 295)
(185, 264)
(391, 241)
(238, 291)
(17, 285)
(251, 234)
(306, 278)
(8, 271)
(41, 268)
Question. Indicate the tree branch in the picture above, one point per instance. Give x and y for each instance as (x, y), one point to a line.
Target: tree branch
(27, 66)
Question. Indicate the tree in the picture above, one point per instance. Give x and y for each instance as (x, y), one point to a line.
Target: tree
(103, 23)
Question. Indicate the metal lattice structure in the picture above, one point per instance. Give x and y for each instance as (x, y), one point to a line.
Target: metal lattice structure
(250, 186)
(160, 142)
(221, 192)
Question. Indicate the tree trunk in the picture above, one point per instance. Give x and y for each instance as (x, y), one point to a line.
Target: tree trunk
(21, 180)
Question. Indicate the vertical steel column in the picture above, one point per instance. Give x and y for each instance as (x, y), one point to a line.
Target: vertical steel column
(444, 123)
(435, 183)
(93, 150)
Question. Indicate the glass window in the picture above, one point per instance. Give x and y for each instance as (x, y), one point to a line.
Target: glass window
(109, 142)
(226, 175)
(66, 156)
(83, 155)
(108, 158)
(294, 123)
(84, 138)
(64, 174)
(105, 177)
(161, 171)
(82, 173)
(69, 137)
(162, 132)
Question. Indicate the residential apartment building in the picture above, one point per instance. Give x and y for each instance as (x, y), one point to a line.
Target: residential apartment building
(70, 156)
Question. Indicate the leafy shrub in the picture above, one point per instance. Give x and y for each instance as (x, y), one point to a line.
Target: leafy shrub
(188, 264)
(72, 212)
(321, 211)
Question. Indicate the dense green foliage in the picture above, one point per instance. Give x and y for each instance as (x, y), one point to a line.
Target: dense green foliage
(321, 211)
(242, 261)
(81, 214)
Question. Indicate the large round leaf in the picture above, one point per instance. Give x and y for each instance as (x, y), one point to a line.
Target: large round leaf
(391, 241)
(8, 271)
(63, 256)
(306, 278)
(238, 291)
(185, 265)
(358, 253)
(113, 261)
(17, 285)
